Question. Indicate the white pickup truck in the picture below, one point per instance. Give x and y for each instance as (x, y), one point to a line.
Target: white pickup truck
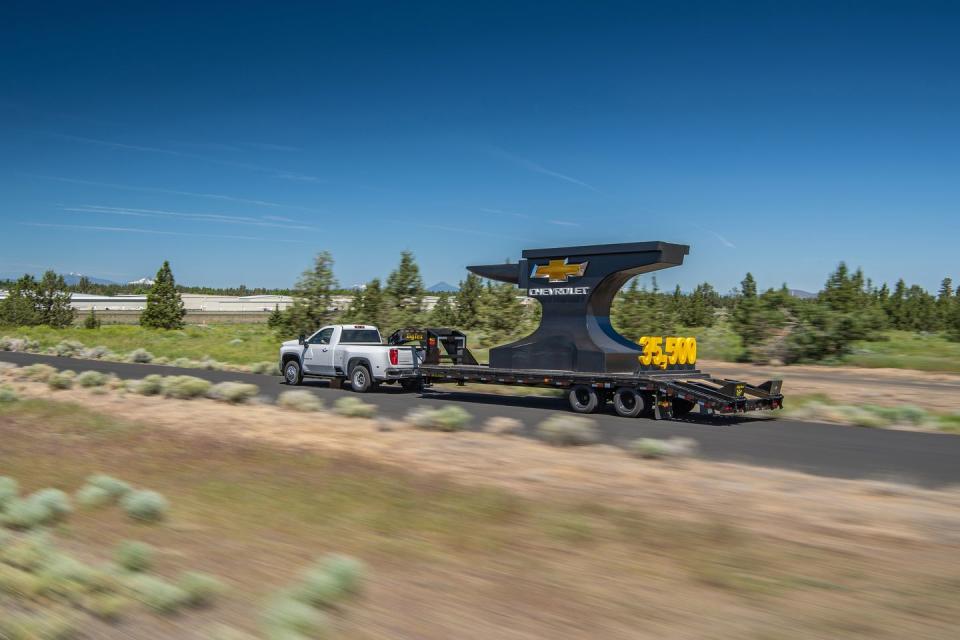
(351, 352)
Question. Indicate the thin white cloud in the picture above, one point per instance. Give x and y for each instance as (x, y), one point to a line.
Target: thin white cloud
(299, 177)
(51, 225)
(536, 167)
(278, 218)
(716, 235)
(200, 217)
(564, 223)
(210, 196)
(506, 213)
(475, 232)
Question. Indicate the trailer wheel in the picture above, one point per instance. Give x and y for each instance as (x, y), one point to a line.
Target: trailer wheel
(682, 407)
(628, 402)
(360, 379)
(410, 385)
(583, 399)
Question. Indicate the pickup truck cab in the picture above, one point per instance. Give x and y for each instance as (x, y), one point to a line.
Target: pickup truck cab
(349, 352)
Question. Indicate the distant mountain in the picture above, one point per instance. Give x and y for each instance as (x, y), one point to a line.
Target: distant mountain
(74, 278)
(144, 281)
(803, 295)
(443, 287)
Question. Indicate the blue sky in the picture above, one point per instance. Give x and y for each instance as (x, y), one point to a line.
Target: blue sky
(238, 139)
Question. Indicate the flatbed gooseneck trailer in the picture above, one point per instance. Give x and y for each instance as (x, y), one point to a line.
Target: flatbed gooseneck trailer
(576, 348)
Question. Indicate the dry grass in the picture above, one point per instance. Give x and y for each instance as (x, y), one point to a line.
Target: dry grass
(494, 536)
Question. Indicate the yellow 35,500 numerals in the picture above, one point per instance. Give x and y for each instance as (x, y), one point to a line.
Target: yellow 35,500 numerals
(675, 351)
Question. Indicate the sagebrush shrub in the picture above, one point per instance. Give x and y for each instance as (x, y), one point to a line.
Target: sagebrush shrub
(134, 555)
(151, 385)
(201, 588)
(61, 380)
(654, 448)
(116, 488)
(156, 593)
(7, 394)
(354, 408)
(140, 356)
(299, 400)
(448, 418)
(29, 552)
(233, 392)
(97, 353)
(568, 430)
(319, 588)
(37, 372)
(25, 514)
(346, 570)
(185, 387)
(265, 368)
(92, 379)
(68, 348)
(89, 497)
(502, 425)
(144, 505)
(9, 491)
(287, 617)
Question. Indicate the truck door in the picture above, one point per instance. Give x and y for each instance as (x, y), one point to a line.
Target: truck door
(318, 358)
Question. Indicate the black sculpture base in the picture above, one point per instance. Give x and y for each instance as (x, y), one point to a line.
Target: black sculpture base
(576, 287)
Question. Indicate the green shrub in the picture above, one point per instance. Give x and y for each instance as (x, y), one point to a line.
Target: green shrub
(55, 501)
(61, 572)
(134, 555)
(568, 430)
(92, 379)
(346, 570)
(653, 448)
(9, 491)
(89, 497)
(269, 368)
(146, 506)
(912, 414)
(68, 348)
(156, 593)
(97, 353)
(17, 582)
(201, 588)
(448, 418)
(29, 552)
(53, 624)
(7, 394)
(61, 380)
(37, 372)
(185, 387)
(299, 400)
(115, 488)
(285, 617)
(106, 606)
(354, 408)
(140, 356)
(25, 514)
(319, 588)
(233, 392)
(151, 385)
(502, 425)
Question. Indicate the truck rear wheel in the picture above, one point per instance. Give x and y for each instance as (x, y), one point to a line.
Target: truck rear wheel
(628, 402)
(583, 399)
(682, 407)
(360, 379)
(292, 373)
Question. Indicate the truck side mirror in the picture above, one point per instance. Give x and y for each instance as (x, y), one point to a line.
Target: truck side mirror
(302, 338)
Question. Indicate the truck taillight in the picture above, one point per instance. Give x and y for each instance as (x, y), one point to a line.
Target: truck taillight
(394, 356)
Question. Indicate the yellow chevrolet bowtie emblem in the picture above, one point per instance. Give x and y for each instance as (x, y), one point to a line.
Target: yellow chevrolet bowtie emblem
(559, 270)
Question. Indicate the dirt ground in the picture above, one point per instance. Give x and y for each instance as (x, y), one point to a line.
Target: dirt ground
(572, 543)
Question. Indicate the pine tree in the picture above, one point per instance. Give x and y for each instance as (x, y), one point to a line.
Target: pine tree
(468, 302)
(404, 292)
(164, 306)
(277, 320)
(91, 321)
(502, 316)
(895, 306)
(945, 303)
(374, 306)
(953, 324)
(84, 285)
(443, 314)
(312, 297)
(53, 301)
(19, 308)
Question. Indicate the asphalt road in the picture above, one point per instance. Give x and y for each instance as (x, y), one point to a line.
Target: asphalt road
(927, 459)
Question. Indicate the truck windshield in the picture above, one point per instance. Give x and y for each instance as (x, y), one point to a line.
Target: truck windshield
(363, 336)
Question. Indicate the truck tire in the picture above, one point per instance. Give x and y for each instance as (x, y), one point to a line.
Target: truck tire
(291, 373)
(410, 385)
(360, 379)
(583, 399)
(628, 402)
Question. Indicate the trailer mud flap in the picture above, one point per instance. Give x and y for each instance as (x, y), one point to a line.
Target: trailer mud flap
(662, 408)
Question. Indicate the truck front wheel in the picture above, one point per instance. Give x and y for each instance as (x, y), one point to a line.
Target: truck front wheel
(360, 379)
(583, 399)
(291, 372)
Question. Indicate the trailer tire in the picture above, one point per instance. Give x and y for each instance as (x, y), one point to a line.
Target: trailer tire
(410, 385)
(682, 407)
(628, 402)
(292, 374)
(583, 399)
(360, 379)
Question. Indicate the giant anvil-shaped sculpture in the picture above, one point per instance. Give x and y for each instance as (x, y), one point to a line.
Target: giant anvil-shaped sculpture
(576, 286)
